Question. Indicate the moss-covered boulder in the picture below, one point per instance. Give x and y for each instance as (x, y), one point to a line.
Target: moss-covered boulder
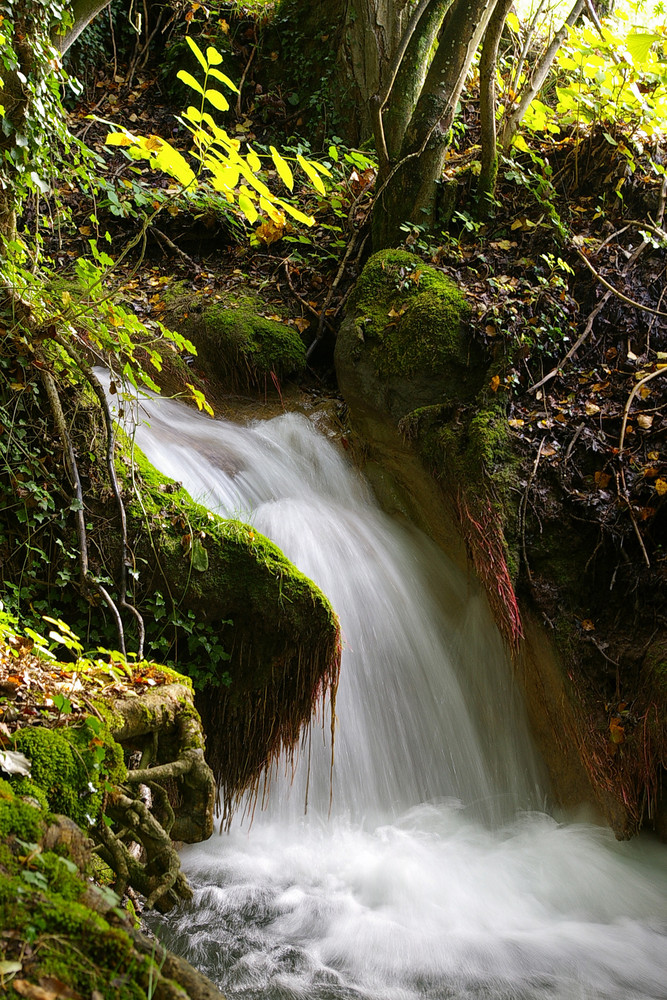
(259, 639)
(241, 344)
(403, 342)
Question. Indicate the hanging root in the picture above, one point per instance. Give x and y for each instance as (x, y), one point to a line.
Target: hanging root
(484, 540)
(126, 558)
(88, 580)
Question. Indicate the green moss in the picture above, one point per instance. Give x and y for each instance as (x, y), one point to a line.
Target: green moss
(235, 342)
(412, 316)
(70, 766)
(18, 818)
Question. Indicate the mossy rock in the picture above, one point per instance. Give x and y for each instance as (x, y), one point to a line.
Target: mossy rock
(238, 345)
(233, 588)
(66, 929)
(404, 343)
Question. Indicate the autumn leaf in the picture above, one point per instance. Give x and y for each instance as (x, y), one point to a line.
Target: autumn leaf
(588, 625)
(494, 383)
(616, 731)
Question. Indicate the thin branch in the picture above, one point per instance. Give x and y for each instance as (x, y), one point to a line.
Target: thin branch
(615, 291)
(635, 390)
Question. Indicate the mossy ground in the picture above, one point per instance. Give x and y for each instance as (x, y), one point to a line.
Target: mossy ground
(45, 902)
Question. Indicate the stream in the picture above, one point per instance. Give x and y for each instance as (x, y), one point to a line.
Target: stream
(435, 870)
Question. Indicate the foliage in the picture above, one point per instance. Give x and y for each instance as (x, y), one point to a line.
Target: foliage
(226, 171)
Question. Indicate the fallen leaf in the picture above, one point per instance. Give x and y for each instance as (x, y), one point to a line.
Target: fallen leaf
(591, 408)
(13, 762)
(494, 383)
(644, 421)
(660, 487)
(588, 625)
(602, 480)
(616, 731)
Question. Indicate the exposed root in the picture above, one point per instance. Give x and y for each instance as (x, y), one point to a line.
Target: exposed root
(483, 535)
(253, 728)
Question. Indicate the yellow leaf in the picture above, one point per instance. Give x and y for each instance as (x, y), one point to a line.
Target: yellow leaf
(223, 79)
(591, 408)
(120, 139)
(252, 159)
(660, 487)
(217, 99)
(495, 383)
(248, 208)
(311, 174)
(284, 171)
(588, 625)
(201, 58)
(189, 80)
(213, 56)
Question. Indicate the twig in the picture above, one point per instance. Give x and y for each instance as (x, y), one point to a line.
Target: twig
(242, 81)
(635, 390)
(615, 291)
(160, 236)
(570, 447)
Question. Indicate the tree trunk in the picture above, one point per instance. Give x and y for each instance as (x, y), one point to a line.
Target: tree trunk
(487, 107)
(408, 191)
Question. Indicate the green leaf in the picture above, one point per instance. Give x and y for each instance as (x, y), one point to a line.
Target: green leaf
(199, 556)
(217, 99)
(311, 174)
(189, 79)
(639, 45)
(282, 167)
(201, 58)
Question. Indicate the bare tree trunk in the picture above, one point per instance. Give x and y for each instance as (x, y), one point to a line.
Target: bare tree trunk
(83, 12)
(411, 74)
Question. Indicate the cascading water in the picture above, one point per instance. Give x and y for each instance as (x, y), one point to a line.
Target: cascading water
(433, 874)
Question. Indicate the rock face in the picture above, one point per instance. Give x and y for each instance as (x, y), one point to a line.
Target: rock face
(422, 400)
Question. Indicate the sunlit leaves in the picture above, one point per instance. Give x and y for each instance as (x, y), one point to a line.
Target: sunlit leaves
(221, 165)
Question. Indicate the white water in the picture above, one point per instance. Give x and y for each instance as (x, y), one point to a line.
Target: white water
(435, 875)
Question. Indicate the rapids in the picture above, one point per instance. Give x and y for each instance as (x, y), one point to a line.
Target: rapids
(435, 872)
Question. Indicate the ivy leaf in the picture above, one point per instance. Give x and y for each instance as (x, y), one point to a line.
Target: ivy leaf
(199, 556)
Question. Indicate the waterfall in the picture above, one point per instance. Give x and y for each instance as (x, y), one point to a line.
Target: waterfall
(435, 872)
